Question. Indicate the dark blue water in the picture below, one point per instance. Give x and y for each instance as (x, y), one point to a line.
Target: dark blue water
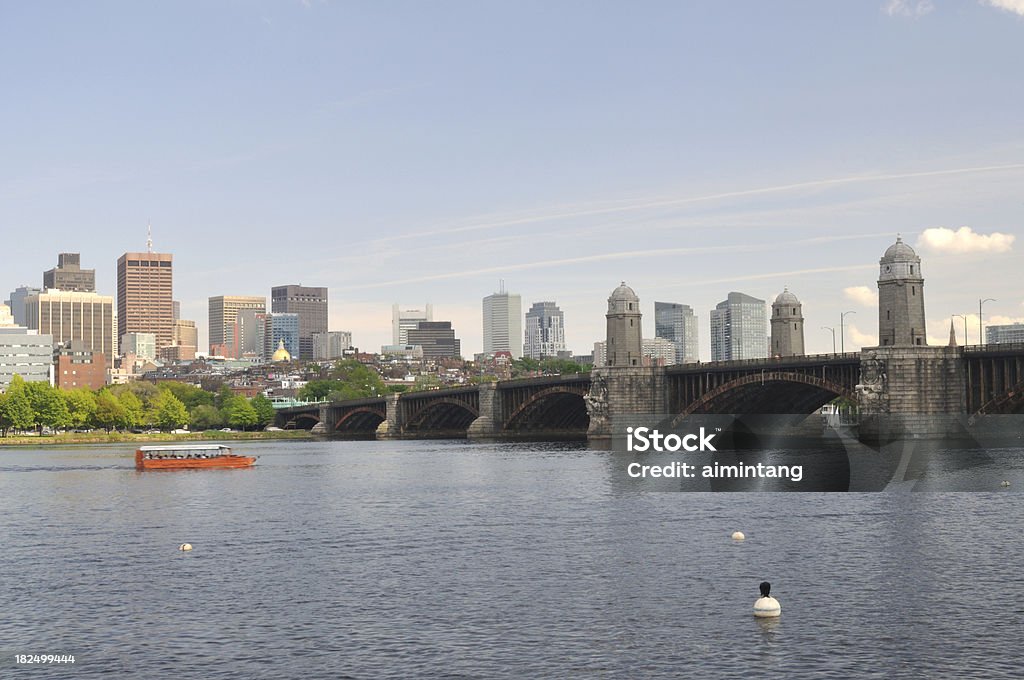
(449, 559)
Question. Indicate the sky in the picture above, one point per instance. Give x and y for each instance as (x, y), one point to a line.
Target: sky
(417, 152)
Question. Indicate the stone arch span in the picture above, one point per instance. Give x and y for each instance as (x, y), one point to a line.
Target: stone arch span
(444, 414)
(771, 392)
(559, 408)
(361, 419)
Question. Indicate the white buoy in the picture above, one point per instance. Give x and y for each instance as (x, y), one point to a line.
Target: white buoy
(1004, 483)
(767, 606)
(738, 536)
(185, 546)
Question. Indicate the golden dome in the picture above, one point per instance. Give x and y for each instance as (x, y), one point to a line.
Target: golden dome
(281, 354)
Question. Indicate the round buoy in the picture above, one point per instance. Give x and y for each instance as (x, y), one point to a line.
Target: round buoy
(738, 536)
(185, 546)
(767, 606)
(1004, 483)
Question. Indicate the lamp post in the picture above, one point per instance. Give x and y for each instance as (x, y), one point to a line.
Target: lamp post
(842, 332)
(964, 317)
(833, 332)
(981, 333)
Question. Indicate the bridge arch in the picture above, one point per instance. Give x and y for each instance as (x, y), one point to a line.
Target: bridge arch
(445, 414)
(360, 419)
(555, 408)
(770, 392)
(1009, 402)
(302, 421)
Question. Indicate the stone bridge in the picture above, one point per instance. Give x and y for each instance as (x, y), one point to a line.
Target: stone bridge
(932, 388)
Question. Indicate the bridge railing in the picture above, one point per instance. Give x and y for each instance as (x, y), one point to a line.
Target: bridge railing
(994, 347)
(772, 361)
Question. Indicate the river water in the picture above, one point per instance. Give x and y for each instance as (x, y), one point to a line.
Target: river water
(454, 559)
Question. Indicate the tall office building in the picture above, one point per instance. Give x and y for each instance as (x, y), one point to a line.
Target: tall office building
(404, 320)
(503, 323)
(69, 275)
(677, 323)
(278, 327)
(249, 333)
(17, 302)
(1004, 334)
(223, 314)
(141, 345)
(437, 338)
(71, 315)
(787, 326)
(23, 352)
(144, 295)
(310, 304)
(739, 328)
(331, 345)
(659, 351)
(545, 331)
(185, 339)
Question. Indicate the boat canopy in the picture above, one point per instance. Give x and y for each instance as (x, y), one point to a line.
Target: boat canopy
(187, 447)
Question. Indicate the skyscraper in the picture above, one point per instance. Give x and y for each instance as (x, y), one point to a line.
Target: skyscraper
(677, 323)
(144, 295)
(71, 315)
(311, 306)
(503, 323)
(404, 320)
(223, 315)
(545, 331)
(739, 328)
(69, 275)
(787, 326)
(278, 327)
(437, 338)
(17, 302)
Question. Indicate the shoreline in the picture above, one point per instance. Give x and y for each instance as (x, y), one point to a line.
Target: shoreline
(73, 439)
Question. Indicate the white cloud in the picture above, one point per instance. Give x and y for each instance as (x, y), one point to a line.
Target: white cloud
(862, 295)
(860, 339)
(908, 8)
(964, 240)
(1015, 6)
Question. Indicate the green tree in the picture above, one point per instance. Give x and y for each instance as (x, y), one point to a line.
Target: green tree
(15, 408)
(241, 414)
(81, 403)
(360, 380)
(190, 395)
(205, 417)
(48, 407)
(315, 390)
(109, 411)
(168, 411)
(133, 411)
(265, 412)
(145, 391)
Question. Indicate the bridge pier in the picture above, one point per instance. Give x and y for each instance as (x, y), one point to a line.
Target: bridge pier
(620, 391)
(912, 392)
(488, 424)
(391, 427)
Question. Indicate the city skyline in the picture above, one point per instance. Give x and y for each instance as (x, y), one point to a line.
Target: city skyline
(688, 150)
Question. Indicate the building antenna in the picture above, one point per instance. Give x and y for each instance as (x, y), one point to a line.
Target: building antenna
(501, 286)
(149, 236)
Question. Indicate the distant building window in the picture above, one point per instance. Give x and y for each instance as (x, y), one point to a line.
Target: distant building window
(913, 290)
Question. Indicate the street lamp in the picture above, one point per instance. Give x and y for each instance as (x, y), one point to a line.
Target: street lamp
(842, 332)
(833, 332)
(981, 334)
(964, 317)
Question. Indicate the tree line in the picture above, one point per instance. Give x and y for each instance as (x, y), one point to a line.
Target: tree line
(27, 406)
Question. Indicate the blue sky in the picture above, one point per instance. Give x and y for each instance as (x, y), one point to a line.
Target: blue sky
(419, 152)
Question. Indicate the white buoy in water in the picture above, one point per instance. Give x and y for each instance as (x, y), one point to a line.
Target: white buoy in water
(738, 536)
(1004, 483)
(767, 606)
(185, 546)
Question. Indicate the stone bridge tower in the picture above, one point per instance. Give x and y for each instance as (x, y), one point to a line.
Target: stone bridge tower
(787, 326)
(906, 388)
(623, 387)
